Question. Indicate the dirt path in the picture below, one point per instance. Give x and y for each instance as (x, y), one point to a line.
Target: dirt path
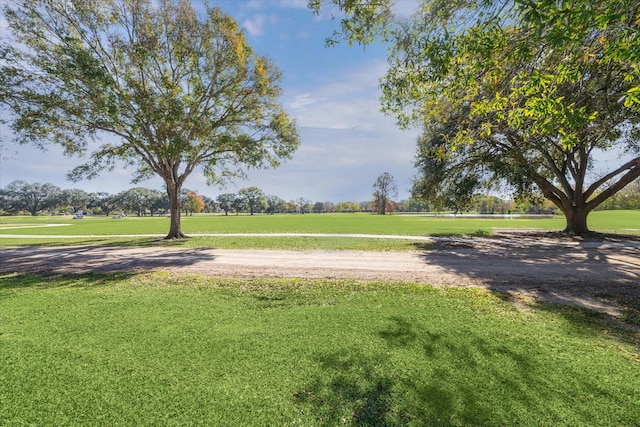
(601, 274)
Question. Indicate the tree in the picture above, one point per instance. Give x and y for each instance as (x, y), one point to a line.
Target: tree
(384, 190)
(347, 207)
(318, 207)
(21, 196)
(138, 200)
(253, 198)
(527, 91)
(329, 206)
(192, 202)
(485, 204)
(275, 205)
(209, 204)
(304, 205)
(75, 199)
(367, 206)
(292, 206)
(444, 180)
(105, 202)
(226, 202)
(415, 205)
(166, 91)
(158, 202)
(627, 198)
(239, 204)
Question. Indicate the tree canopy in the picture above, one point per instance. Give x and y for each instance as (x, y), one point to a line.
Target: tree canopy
(516, 93)
(253, 198)
(32, 197)
(148, 83)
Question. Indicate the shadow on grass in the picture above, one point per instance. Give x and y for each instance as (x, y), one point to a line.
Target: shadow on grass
(434, 377)
(600, 274)
(141, 242)
(350, 391)
(15, 281)
(478, 233)
(95, 259)
(454, 375)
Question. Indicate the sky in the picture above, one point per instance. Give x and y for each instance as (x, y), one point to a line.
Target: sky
(332, 92)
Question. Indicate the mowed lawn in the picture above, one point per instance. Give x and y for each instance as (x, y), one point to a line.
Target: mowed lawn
(164, 349)
(95, 229)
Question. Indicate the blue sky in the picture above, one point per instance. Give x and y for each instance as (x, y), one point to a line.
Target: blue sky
(333, 94)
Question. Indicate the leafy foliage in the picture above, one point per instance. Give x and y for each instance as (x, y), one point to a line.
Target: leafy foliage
(22, 196)
(253, 198)
(192, 202)
(163, 90)
(226, 202)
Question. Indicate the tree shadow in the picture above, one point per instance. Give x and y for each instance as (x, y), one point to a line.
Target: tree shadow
(350, 390)
(118, 242)
(31, 281)
(595, 274)
(425, 376)
(96, 259)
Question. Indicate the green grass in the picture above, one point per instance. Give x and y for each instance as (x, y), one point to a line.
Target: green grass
(163, 349)
(100, 230)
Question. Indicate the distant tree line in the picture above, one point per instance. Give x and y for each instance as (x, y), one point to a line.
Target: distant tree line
(22, 198)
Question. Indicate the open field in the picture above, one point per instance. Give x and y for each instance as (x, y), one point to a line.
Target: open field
(147, 230)
(175, 349)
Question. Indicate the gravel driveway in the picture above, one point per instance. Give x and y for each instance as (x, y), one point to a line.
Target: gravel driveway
(601, 274)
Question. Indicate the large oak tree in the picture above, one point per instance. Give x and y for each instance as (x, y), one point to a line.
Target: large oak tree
(23, 196)
(146, 82)
(520, 92)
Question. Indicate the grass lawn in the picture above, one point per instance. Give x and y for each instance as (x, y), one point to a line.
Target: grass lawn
(100, 230)
(164, 349)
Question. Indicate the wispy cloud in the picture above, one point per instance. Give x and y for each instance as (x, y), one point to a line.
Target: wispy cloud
(303, 100)
(350, 100)
(256, 24)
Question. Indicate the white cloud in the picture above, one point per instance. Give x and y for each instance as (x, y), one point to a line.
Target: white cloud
(303, 100)
(256, 25)
(255, 4)
(349, 99)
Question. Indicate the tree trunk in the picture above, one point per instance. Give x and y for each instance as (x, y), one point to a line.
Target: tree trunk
(175, 231)
(576, 217)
